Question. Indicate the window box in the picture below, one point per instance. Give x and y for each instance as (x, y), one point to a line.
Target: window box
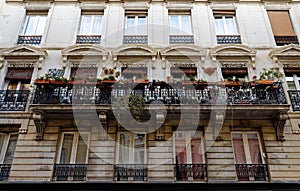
(41, 82)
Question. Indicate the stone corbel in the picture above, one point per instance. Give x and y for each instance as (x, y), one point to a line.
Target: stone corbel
(275, 60)
(39, 121)
(279, 122)
(160, 132)
(153, 62)
(163, 62)
(1, 61)
(103, 126)
(40, 61)
(253, 62)
(217, 125)
(65, 58)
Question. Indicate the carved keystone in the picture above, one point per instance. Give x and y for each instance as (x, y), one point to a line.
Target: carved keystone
(279, 122)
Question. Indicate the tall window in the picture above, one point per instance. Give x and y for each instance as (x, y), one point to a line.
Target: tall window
(180, 28)
(135, 27)
(8, 144)
(189, 157)
(72, 157)
(226, 27)
(292, 77)
(282, 28)
(90, 27)
(248, 156)
(33, 28)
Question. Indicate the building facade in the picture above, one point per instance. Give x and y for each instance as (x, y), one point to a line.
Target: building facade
(98, 94)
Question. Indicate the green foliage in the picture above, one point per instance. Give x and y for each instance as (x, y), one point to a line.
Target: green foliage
(271, 74)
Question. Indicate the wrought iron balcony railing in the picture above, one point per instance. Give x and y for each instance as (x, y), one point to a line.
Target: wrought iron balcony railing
(13, 100)
(64, 172)
(181, 39)
(229, 39)
(211, 94)
(4, 171)
(130, 171)
(195, 171)
(285, 40)
(295, 99)
(88, 39)
(135, 39)
(246, 172)
(30, 39)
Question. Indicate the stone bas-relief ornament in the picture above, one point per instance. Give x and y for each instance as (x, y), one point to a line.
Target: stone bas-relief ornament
(209, 70)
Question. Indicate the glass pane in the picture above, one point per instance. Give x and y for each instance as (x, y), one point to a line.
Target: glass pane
(12, 86)
(130, 25)
(81, 149)
(238, 147)
(180, 148)
(2, 139)
(86, 24)
(97, 24)
(30, 25)
(290, 83)
(231, 28)
(186, 24)
(219, 25)
(9, 155)
(139, 148)
(174, 24)
(254, 148)
(196, 148)
(124, 148)
(41, 25)
(66, 149)
(142, 25)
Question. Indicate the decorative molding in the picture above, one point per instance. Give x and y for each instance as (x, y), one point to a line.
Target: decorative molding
(232, 64)
(134, 50)
(39, 121)
(103, 126)
(20, 64)
(90, 64)
(188, 52)
(279, 123)
(290, 51)
(160, 132)
(287, 64)
(182, 64)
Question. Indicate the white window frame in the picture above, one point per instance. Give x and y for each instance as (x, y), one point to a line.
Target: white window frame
(36, 25)
(246, 146)
(91, 26)
(74, 146)
(136, 25)
(5, 145)
(179, 27)
(131, 149)
(187, 135)
(295, 79)
(224, 24)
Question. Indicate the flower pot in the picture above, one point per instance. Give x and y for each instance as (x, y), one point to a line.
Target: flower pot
(41, 82)
(267, 82)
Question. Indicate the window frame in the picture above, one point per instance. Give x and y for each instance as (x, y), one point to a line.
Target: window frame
(179, 27)
(225, 25)
(5, 145)
(136, 24)
(36, 24)
(91, 27)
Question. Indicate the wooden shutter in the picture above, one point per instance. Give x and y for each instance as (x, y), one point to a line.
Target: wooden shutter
(19, 74)
(281, 23)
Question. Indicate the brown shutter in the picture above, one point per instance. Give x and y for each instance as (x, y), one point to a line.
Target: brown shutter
(224, 12)
(234, 71)
(19, 74)
(281, 23)
(83, 72)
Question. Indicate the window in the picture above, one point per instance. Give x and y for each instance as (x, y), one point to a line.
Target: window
(180, 28)
(8, 144)
(282, 28)
(83, 72)
(134, 72)
(226, 27)
(72, 157)
(189, 157)
(90, 27)
(131, 157)
(33, 28)
(237, 73)
(248, 156)
(135, 28)
(184, 73)
(292, 77)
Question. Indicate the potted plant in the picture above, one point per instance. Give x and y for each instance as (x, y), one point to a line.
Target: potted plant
(111, 70)
(105, 70)
(270, 75)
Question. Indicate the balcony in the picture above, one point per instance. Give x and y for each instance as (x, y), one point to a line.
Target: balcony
(246, 172)
(64, 172)
(136, 172)
(295, 99)
(13, 100)
(181, 39)
(88, 39)
(30, 39)
(4, 171)
(285, 40)
(229, 39)
(184, 172)
(135, 39)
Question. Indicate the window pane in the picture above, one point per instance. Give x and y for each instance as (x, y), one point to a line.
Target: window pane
(9, 155)
(124, 148)
(66, 149)
(186, 24)
(30, 26)
(142, 25)
(130, 25)
(196, 148)
(219, 25)
(254, 148)
(86, 24)
(81, 149)
(2, 139)
(139, 148)
(97, 24)
(231, 28)
(174, 24)
(290, 83)
(238, 147)
(180, 148)
(41, 25)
